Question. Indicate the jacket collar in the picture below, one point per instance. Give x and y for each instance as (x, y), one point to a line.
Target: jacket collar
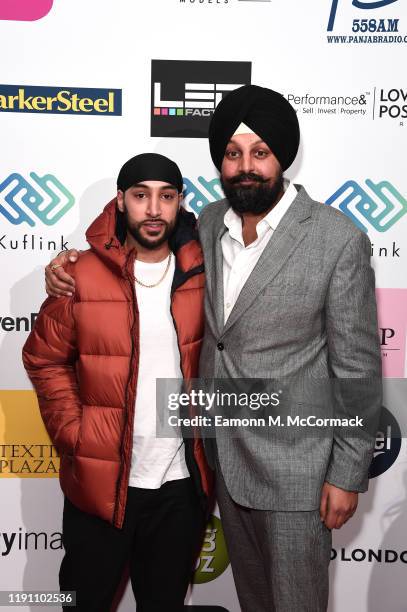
(102, 236)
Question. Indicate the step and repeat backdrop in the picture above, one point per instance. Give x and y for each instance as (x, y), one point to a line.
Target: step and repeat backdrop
(86, 85)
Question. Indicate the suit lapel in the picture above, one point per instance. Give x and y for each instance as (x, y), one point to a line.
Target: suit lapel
(217, 279)
(288, 235)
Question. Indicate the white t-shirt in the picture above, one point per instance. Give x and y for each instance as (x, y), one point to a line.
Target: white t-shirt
(155, 460)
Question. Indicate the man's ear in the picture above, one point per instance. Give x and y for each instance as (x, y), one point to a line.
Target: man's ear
(180, 199)
(120, 200)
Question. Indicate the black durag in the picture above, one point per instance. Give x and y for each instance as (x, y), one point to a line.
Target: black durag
(264, 111)
(149, 167)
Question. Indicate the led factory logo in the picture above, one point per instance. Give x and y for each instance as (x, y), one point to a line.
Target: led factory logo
(44, 198)
(184, 94)
(380, 207)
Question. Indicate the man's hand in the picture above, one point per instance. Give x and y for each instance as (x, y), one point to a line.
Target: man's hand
(337, 506)
(57, 281)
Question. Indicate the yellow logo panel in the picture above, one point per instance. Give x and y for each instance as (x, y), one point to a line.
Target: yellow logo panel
(25, 448)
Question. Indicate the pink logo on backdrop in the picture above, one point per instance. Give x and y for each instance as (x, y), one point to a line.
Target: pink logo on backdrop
(392, 315)
(24, 10)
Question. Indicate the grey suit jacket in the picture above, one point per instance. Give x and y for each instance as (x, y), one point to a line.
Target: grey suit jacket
(307, 311)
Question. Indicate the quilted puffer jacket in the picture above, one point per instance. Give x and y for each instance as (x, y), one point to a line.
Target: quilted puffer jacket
(82, 358)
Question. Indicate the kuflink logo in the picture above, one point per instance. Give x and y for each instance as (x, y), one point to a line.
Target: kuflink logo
(380, 206)
(361, 4)
(42, 198)
(198, 195)
(24, 10)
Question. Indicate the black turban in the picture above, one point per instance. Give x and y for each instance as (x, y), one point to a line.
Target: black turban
(264, 111)
(149, 167)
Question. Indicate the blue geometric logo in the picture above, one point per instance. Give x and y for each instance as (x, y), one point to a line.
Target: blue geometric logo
(198, 196)
(44, 198)
(380, 207)
(362, 4)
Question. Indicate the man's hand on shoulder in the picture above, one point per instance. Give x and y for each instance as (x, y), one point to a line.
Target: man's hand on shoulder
(337, 505)
(57, 281)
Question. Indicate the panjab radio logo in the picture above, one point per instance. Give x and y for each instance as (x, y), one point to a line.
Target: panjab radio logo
(371, 28)
(379, 207)
(24, 10)
(60, 100)
(184, 94)
(43, 198)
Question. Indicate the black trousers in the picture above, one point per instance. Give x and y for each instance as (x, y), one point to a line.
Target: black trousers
(162, 532)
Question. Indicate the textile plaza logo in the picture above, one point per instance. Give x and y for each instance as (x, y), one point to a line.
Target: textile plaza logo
(387, 446)
(60, 100)
(25, 448)
(367, 29)
(25, 10)
(379, 207)
(43, 198)
(213, 559)
(184, 94)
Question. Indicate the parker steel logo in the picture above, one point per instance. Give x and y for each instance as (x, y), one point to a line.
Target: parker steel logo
(43, 198)
(379, 207)
(184, 94)
(60, 100)
(24, 10)
(364, 27)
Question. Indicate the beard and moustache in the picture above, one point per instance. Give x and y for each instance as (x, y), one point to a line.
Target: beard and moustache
(135, 230)
(255, 199)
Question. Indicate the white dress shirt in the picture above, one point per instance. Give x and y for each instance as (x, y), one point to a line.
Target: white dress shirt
(239, 260)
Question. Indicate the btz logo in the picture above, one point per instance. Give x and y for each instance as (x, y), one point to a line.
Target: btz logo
(381, 209)
(362, 4)
(44, 198)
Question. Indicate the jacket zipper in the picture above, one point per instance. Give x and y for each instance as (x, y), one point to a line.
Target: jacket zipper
(129, 378)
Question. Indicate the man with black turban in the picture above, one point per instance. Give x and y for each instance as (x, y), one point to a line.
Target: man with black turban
(290, 296)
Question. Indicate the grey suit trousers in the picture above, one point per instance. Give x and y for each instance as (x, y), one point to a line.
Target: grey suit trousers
(279, 559)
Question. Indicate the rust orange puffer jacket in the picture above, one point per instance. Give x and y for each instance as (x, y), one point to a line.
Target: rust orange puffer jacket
(82, 358)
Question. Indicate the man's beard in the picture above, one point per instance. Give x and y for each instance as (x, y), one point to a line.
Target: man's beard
(149, 243)
(257, 198)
